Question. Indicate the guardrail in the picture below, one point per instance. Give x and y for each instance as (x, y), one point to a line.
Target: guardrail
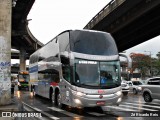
(104, 12)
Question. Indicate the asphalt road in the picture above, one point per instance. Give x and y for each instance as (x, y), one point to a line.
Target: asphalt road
(132, 107)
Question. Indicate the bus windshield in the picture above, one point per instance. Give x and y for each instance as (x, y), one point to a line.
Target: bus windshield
(23, 78)
(93, 43)
(97, 74)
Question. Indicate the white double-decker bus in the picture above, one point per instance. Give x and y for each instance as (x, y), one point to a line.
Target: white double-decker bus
(79, 68)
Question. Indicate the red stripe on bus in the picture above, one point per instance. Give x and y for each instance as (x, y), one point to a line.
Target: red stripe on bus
(53, 83)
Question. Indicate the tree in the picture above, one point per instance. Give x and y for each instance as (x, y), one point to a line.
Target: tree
(141, 62)
(158, 55)
(157, 63)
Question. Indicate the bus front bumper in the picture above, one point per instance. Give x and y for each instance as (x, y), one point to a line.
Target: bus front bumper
(96, 100)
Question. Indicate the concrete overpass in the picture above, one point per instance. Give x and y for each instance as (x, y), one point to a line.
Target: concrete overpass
(21, 37)
(15, 68)
(15, 55)
(131, 22)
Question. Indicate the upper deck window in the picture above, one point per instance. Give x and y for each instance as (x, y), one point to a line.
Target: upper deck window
(94, 43)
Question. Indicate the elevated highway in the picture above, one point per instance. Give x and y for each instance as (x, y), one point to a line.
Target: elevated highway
(22, 39)
(15, 68)
(131, 22)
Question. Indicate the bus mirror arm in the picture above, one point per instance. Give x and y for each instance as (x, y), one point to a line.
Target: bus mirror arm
(129, 60)
(71, 59)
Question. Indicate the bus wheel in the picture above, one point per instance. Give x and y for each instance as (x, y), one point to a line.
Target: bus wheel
(19, 88)
(59, 104)
(52, 98)
(28, 88)
(31, 88)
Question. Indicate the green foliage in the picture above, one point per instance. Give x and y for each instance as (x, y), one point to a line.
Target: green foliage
(158, 55)
(141, 62)
(145, 63)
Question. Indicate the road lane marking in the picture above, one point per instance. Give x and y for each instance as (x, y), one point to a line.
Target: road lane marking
(44, 113)
(64, 112)
(138, 108)
(55, 109)
(142, 105)
(117, 108)
(147, 103)
(96, 114)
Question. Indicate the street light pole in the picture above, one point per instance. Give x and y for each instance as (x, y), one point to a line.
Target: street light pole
(150, 61)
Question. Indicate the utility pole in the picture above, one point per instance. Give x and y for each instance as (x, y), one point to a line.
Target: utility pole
(5, 51)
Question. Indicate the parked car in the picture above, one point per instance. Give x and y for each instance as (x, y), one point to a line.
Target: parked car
(135, 86)
(151, 89)
(125, 87)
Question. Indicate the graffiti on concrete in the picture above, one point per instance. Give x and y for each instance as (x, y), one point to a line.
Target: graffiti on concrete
(5, 51)
(5, 65)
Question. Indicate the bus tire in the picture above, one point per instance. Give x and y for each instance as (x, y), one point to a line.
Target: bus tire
(31, 88)
(27, 88)
(58, 100)
(51, 96)
(19, 88)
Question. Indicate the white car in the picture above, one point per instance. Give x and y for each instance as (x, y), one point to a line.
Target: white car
(135, 86)
(151, 89)
(125, 87)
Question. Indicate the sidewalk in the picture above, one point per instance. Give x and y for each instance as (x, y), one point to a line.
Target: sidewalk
(8, 110)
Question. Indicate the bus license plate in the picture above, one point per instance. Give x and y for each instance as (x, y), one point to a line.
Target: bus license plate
(101, 103)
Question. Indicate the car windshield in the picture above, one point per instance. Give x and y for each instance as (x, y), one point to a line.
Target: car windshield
(97, 74)
(137, 83)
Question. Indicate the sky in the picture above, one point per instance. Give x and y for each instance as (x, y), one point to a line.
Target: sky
(51, 17)
(48, 18)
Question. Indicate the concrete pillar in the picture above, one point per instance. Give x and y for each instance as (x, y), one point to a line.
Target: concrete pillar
(22, 57)
(124, 69)
(5, 51)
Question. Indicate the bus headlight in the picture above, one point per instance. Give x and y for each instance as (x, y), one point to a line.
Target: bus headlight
(77, 101)
(78, 93)
(118, 93)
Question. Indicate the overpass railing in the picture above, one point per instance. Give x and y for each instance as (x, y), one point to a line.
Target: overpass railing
(113, 4)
